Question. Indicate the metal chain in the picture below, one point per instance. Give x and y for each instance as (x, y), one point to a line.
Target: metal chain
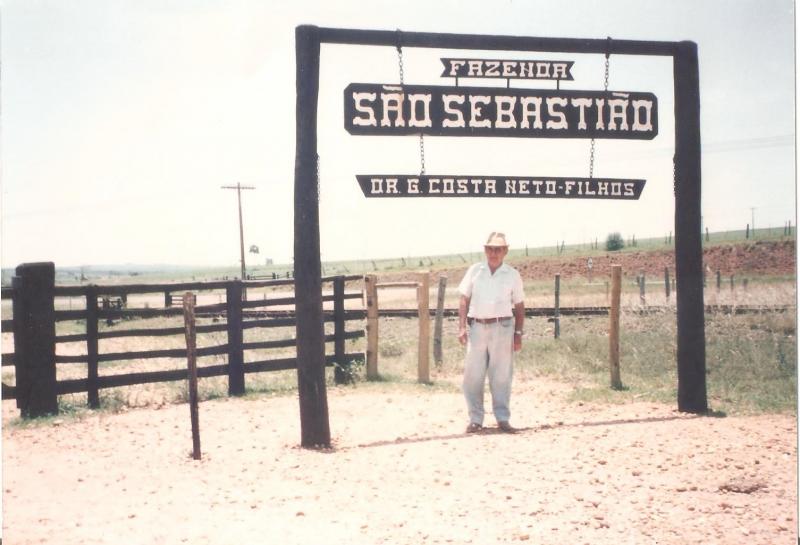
(402, 82)
(591, 145)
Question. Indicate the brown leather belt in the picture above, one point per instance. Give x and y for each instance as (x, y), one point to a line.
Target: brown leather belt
(488, 320)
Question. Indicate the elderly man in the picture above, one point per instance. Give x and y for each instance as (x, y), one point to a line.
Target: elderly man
(491, 313)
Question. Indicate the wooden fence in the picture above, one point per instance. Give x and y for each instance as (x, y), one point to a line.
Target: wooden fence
(33, 294)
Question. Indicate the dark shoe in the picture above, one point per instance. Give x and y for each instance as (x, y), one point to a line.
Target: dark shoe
(505, 427)
(474, 428)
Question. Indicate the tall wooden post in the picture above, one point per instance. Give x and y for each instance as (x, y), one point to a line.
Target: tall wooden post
(424, 348)
(613, 328)
(233, 293)
(371, 295)
(688, 244)
(666, 283)
(437, 325)
(93, 396)
(35, 339)
(339, 375)
(314, 423)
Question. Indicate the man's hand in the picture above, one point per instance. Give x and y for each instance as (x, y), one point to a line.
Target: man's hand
(462, 335)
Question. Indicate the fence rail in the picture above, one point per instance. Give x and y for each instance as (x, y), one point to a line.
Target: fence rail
(33, 295)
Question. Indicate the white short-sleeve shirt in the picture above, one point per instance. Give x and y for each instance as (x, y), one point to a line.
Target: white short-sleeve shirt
(491, 295)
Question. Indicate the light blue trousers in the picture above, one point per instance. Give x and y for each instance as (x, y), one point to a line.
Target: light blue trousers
(490, 349)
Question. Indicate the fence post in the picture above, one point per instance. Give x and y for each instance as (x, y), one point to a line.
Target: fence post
(719, 280)
(666, 282)
(371, 293)
(339, 375)
(93, 396)
(642, 296)
(437, 326)
(235, 338)
(167, 299)
(556, 310)
(613, 330)
(423, 309)
(191, 360)
(35, 339)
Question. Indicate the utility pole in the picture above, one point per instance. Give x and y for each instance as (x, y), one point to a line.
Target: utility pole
(238, 187)
(753, 220)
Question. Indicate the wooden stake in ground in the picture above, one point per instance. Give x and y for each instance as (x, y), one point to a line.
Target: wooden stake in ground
(437, 326)
(613, 329)
(423, 309)
(191, 356)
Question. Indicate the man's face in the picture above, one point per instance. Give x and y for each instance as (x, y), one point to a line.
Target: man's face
(495, 255)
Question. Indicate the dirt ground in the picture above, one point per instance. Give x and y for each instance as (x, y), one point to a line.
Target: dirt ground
(402, 471)
(762, 257)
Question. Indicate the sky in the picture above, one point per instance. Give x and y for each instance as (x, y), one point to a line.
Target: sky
(122, 120)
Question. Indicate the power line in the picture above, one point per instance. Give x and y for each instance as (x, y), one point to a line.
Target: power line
(238, 187)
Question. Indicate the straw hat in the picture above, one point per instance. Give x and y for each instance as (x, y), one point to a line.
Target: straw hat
(497, 240)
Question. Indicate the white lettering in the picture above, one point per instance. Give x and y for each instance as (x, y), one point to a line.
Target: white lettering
(370, 120)
(475, 68)
(508, 69)
(599, 102)
(550, 187)
(433, 187)
(617, 107)
(534, 112)
(511, 186)
(448, 185)
(552, 102)
(476, 111)
(505, 112)
(523, 187)
(560, 70)
(582, 104)
(490, 186)
(377, 186)
(602, 188)
(449, 110)
(543, 70)
(391, 185)
(568, 185)
(462, 186)
(415, 99)
(392, 102)
(455, 64)
(413, 185)
(638, 105)
(492, 69)
(628, 189)
(537, 184)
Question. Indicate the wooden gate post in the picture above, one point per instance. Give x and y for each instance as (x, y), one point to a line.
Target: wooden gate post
(339, 375)
(314, 423)
(613, 328)
(423, 310)
(235, 338)
(371, 294)
(437, 326)
(35, 339)
(692, 395)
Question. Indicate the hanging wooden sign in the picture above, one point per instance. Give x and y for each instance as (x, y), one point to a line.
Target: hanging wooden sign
(385, 185)
(382, 109)
(507, 69)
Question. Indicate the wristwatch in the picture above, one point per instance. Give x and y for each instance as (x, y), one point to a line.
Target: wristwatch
(518, 332)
